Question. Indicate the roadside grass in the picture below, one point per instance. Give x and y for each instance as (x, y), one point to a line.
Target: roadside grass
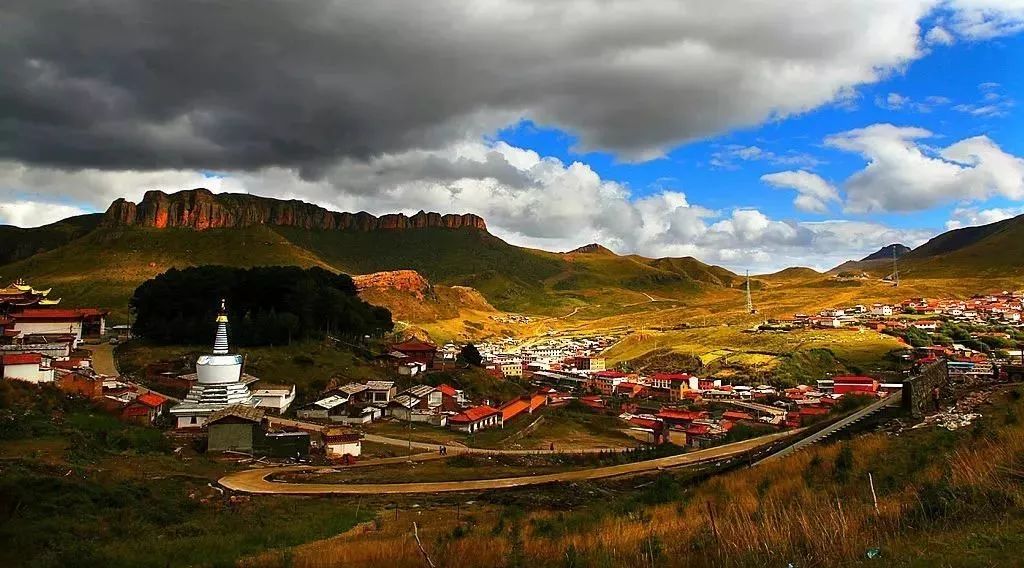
(80, 488)
(944, 498)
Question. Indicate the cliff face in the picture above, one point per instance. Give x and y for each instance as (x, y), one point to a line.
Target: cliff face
(200, 209)
(408, 281)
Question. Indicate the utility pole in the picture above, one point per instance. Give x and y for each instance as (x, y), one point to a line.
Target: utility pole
(895, 269)
(750, 300)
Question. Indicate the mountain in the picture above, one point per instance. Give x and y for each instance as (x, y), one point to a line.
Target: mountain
(201, 209)
(411, 297)
(993, 250)
(102, 263)
(17, 243)
(887, 253)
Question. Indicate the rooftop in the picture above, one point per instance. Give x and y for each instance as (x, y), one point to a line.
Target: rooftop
(242, 411)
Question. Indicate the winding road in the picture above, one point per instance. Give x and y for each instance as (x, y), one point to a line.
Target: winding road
(258, 480)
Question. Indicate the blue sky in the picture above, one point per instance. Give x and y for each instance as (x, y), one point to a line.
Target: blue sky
(961, 73)
(749, 134)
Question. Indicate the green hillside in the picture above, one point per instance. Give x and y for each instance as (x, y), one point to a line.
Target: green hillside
(17, 243)
(987, 251)
(104, 267)
(996, 249)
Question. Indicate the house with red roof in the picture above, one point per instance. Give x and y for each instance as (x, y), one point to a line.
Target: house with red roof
(606, 381)
(476, 418)
(416, 350)
(629, 389)
(145, 408)
(854, 384)
(677, 417)
(31, 367)
(77, 322)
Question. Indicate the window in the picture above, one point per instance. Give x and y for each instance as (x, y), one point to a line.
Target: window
(193, 420)
(380, 396)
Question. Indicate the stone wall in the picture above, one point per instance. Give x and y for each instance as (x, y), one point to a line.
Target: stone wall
(917, 391)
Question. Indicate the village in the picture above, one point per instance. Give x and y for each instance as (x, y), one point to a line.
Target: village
(237, 412)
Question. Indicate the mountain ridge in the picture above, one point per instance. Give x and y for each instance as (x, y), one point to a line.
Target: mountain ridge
(200, 209)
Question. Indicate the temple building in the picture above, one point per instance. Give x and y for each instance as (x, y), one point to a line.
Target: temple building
(219, 382)
(20, 295)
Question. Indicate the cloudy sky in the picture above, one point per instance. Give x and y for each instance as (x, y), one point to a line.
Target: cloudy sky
(750, 134)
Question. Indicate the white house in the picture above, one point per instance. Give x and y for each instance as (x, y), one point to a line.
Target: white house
(31, 367)
(275, 398)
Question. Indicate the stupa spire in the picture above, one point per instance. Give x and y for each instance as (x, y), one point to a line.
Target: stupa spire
(220, 341)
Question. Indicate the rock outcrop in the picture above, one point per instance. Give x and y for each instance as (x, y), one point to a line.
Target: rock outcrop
(408, 281)
(201, 209)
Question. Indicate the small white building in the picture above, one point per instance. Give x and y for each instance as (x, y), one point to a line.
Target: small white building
(31, 367)
(274, 398)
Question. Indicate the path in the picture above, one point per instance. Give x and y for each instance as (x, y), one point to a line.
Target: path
(103, 359)
(892, 399)
(256, 480)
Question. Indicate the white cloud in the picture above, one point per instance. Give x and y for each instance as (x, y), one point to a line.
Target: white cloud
(977, 20)
(938, 35)
(896, 101)
(24, 213)
(972, 216)
(904, 175)
(728, 156)
(526, 198)
(813, 192)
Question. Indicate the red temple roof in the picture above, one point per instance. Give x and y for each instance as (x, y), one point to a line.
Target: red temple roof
(21, 359)
(474, 414)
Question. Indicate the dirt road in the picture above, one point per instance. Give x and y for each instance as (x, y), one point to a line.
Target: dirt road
(256, 480)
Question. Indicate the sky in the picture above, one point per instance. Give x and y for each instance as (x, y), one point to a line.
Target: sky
(754, 135)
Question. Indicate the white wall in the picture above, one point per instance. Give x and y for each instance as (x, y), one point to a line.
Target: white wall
(32, 373)
(338, 449)
(48, 327)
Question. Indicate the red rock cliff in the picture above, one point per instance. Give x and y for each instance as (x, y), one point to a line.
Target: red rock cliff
(200, 209)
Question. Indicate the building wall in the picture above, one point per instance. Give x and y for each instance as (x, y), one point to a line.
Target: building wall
(917, 391)
(74, 383)
(236, 437)
(339, 449)
(45, 327)
(32, 373)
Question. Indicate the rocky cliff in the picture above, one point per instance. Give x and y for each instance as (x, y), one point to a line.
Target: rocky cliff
(408, 281)
(201, 209)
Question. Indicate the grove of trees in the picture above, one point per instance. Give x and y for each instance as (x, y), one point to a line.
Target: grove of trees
(271, 305)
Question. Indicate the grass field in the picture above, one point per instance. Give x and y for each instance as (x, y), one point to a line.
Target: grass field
(800, 355)
(80, 488)
(943, 499)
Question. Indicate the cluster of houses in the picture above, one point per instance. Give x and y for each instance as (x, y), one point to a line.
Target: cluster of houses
(696, 426)
(1004, 308)
(512, 358)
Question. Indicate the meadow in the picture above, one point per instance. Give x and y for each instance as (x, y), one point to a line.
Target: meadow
(943, 498)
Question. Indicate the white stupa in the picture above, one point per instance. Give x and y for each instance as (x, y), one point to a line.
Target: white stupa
(219, 381)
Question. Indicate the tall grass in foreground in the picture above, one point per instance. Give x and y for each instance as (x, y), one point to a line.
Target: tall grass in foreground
(812, 509)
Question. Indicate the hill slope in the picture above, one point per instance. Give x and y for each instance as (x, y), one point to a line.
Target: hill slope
(135, 242)
(994, 250)
(887, 253)
(17, 243)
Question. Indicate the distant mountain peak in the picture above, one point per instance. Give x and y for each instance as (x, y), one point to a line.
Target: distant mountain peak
(592, 248)
(886, 252)
(201, 209)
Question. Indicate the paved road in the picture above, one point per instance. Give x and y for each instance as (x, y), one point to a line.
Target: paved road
(103, 359)
(256, 480)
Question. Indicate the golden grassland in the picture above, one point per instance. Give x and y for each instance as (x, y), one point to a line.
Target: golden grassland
(943, 498)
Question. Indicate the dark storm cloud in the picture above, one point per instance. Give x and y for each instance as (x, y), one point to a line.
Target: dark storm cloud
(242, 85)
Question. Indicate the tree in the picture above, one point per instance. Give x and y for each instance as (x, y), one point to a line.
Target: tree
(471, 355)
(270, 305)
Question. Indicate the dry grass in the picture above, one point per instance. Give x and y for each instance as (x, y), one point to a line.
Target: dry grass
(812, 509)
